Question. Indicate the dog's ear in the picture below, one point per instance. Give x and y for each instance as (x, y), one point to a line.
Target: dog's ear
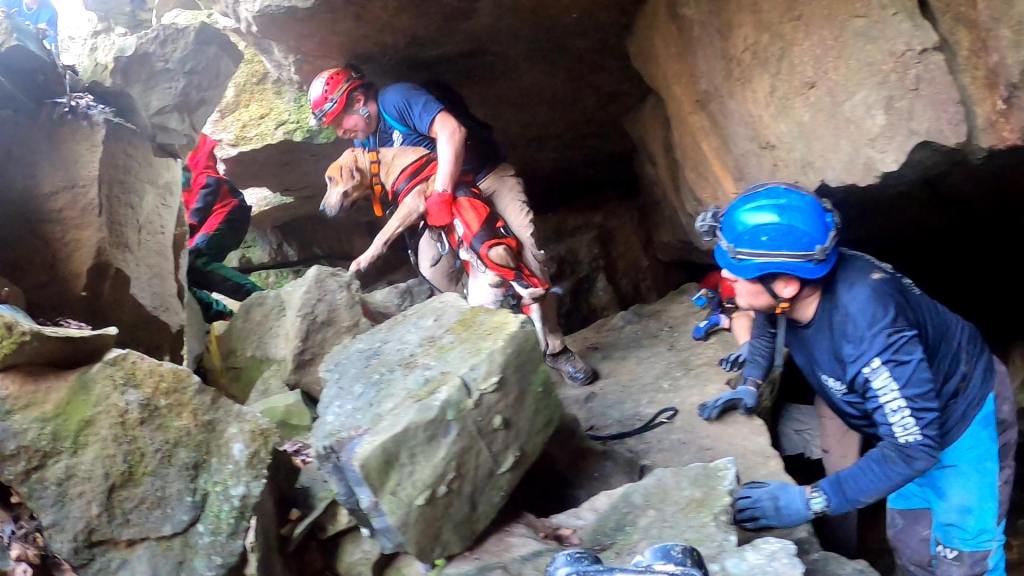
(351, 177)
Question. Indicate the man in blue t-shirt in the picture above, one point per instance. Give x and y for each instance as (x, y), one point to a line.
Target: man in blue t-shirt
(410, 115)
(39, 14)
(894, 364)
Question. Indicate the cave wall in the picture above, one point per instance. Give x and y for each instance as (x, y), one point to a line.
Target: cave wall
(823, 91)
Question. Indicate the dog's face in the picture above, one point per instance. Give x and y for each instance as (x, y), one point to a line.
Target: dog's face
(347, 183)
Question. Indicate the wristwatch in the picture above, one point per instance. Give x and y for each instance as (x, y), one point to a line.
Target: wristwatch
(817, 501)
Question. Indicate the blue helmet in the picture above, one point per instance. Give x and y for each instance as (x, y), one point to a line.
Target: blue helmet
(774, 228)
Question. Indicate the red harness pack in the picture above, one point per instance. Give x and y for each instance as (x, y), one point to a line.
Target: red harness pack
(467, 219)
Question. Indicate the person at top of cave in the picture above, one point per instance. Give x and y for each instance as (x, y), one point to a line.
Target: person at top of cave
(437, 118)
(39, 14)
(218, 219)
(892, 363)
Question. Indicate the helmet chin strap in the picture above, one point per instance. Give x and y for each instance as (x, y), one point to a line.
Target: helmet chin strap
(782, 305)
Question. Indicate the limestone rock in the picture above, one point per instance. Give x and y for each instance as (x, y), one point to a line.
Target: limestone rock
(405, 428)
(406, 565)
(96, 219)
(277, 278)
(276, 340)
(985, 51)
(29, 344)
(28, 74)
(167, 80)
(162, 7)
(264, 135)
(135, 15)
(134, 466)
(814, 92)
(290, 412)
(831, 564)
(196, 333)
(762, 557)
(670, 204)
(356, 554)
(389, 302)
(513, 549)
(693, 503)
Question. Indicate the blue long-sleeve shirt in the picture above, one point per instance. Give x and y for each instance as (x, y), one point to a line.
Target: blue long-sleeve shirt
(44, 13)
(893, 364)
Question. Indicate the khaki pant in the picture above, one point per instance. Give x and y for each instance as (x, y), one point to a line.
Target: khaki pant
(840, 447)
(817, 432)
(506, 193)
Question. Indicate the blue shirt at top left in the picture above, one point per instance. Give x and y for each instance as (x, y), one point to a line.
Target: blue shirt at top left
(42, 14)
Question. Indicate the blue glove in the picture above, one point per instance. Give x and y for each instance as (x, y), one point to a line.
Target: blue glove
(703, 330)
(700, 299)
(743, 397)
(734, 361)
(763, 505)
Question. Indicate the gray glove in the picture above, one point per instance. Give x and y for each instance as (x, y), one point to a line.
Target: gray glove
(744, 398)
(735, 360)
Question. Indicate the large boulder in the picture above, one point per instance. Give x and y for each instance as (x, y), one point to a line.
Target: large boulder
(25, 343)
(819, 91)
(28, 74)
(428, 421)
(278, 338)
(135, 15)
(166, 80)
(691, 505)
(134, 466)
(97, 224)
(647, 361)
(290, 412)
(264, 135)
(985, 50)
(390, 301)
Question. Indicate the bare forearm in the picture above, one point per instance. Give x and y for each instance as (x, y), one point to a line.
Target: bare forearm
(451, 146)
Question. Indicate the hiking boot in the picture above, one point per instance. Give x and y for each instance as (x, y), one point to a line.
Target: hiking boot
(572, 369)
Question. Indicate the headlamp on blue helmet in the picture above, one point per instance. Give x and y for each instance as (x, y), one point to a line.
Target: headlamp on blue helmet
(773, 228)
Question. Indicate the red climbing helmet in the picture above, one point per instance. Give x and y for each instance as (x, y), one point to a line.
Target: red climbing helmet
(328, 93)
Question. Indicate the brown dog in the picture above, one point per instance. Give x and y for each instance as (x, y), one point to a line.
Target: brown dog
(348, 182)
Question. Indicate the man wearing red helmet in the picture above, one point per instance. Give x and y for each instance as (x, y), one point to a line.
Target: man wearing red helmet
(406, 114)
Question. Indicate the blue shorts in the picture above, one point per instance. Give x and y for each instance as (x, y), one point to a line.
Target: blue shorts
(951, 520)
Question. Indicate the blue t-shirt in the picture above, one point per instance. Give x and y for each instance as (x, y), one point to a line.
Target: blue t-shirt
(406, 113)
(894, 364)
(44, 13)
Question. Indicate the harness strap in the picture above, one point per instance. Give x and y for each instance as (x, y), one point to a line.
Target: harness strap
(781, 307)
(660, 418)
(482, 234)
(378, 187)
(416, 173)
